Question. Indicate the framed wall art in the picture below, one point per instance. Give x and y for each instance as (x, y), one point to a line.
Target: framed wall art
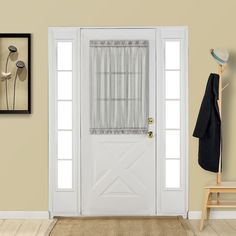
(15, 74)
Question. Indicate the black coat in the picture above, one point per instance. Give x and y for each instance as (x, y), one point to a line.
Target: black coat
(208, 127)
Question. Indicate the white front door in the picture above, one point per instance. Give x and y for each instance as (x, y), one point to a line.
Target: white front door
(118, 163)
(104, 84)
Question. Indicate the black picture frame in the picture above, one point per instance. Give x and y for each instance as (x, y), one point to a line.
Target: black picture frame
(26, 36)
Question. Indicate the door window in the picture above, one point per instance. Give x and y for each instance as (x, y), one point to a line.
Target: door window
(118, 86)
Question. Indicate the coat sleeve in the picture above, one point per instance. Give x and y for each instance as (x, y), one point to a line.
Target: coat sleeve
(204, 113)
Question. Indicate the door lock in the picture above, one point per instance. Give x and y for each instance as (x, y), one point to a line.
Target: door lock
(150, 134)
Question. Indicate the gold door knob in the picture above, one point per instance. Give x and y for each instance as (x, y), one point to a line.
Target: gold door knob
(150, 134)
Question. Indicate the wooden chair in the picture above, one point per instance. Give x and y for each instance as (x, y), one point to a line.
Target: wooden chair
(210, 189)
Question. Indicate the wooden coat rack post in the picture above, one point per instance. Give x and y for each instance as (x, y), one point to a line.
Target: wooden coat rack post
(220, 72)
(219, 186)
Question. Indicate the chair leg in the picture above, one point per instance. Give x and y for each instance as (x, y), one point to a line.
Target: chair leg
(218, 197)
(208, 209)
(204, 208)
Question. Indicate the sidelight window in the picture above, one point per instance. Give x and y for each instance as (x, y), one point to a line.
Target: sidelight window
(64, 114)
(172, 72)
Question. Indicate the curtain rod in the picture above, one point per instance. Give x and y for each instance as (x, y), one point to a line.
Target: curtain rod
(119, 43)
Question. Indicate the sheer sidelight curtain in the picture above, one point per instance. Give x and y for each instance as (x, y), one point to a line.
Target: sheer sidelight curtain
(119, 86)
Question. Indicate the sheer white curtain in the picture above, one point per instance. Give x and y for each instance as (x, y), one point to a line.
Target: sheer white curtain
(118, 86)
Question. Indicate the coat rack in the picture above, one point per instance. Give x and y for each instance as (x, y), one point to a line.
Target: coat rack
(220, 72)
(217, 187)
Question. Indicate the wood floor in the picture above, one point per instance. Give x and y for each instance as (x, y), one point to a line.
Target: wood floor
(26, 227)
(214, 227)
(138, 228)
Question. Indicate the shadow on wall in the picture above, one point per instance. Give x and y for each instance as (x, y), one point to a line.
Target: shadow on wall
(22, 74)
(14, 56)
(227, 111)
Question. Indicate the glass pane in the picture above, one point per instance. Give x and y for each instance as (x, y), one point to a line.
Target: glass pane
(64, 85)
(172, 55)
(64, 174)
(64, 115)
(172, 84)
(64, 55)
(172, 173)
(172, 144)
(172, 114)
(64, 146)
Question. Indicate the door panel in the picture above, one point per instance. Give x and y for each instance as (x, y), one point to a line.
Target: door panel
(117, 170)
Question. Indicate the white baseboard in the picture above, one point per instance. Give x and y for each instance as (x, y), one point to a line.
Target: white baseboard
(24, 215)
(213, 215)
(45, 214)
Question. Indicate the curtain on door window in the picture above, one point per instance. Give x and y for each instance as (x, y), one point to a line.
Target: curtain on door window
(118, 86)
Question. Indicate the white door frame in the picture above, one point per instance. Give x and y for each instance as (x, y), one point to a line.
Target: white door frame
(73, 196)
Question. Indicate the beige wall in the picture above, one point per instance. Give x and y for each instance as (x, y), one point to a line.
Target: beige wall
(24, 138)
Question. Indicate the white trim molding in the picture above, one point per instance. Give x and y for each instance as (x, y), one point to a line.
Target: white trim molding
(173, 200)
(24, 215)
(193, 215)
(63, 200)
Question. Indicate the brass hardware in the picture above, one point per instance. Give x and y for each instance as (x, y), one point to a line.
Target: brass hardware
(150, 134)
(150, 120)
